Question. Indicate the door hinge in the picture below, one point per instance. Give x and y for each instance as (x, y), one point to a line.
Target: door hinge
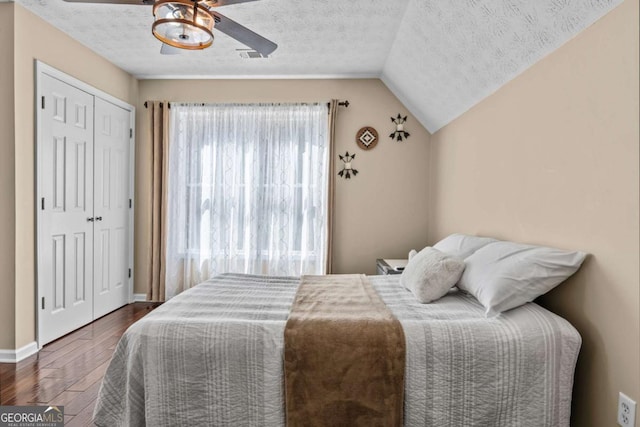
(129, 273)
(43, 303)
(42, 203)
(130, 132)
(43, 102)
(129, 203)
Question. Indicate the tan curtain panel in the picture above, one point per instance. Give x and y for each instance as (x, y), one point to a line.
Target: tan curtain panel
(158, 119)
(333, 112)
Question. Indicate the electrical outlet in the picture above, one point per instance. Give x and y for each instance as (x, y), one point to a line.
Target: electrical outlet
(626, 411)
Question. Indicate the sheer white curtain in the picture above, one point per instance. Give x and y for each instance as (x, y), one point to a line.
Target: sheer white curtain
(247, 191)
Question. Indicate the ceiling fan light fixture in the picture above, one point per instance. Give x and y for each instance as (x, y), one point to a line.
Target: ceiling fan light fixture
(183, 24)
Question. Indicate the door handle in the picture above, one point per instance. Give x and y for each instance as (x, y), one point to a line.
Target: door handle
(98, 218)
(90, 219)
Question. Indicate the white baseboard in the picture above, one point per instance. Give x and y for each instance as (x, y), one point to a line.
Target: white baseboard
(14, 356)
(139, 297)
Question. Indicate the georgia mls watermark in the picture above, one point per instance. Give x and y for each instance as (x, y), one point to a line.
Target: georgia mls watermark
(31, 416)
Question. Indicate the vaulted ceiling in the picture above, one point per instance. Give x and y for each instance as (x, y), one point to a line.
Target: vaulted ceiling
(439, 57)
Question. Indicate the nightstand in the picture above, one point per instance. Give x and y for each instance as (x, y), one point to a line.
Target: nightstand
(390, 266)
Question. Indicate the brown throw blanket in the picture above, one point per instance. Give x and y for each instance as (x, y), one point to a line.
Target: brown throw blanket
(344, 355)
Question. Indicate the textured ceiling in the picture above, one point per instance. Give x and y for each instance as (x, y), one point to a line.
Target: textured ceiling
(440, 57)
(449, 55)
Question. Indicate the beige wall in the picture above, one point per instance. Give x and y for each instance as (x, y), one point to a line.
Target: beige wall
(552, 158)
(7, 179)
(36, 39)
(380, 213)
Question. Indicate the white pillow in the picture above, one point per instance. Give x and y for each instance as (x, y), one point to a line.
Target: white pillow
(462, 245)
(505, 275)
(430, 274)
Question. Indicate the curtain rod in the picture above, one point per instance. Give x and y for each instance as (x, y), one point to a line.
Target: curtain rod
(146, 104)
(344, 104)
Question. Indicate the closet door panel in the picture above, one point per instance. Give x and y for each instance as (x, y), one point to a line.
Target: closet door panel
(111, 203)
(65, 232)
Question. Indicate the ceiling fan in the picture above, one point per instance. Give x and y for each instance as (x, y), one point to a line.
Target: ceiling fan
(188, 24)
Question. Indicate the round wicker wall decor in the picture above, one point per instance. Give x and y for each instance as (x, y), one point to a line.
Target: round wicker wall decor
(367, 138)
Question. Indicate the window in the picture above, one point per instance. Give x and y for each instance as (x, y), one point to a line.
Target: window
(247, 190)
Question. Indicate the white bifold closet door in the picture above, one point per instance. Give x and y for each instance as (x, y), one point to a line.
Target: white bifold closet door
(83, 234)
(111, 208)
(65, 246)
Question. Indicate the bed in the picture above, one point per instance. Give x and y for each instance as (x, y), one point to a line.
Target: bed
(213, 356)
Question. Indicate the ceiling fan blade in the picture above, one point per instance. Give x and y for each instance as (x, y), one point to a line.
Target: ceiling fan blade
(243, 34)
(169, 50)
(136, 2)
(208, 3)
(219, 3)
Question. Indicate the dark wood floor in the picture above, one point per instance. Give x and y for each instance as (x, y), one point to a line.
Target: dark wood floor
(68, 371)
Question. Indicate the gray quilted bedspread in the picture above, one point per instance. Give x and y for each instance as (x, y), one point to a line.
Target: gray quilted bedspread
(213, 356)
